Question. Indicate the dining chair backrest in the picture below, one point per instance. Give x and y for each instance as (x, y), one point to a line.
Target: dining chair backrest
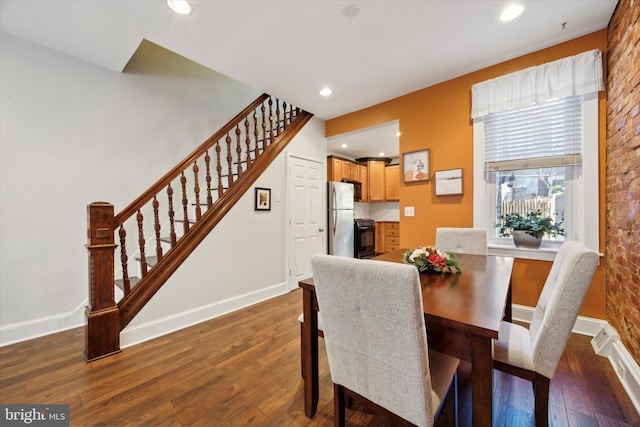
(375, 333)
(462, 240)
(559, 303)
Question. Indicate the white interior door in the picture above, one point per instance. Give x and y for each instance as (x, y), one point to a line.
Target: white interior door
(307, 217)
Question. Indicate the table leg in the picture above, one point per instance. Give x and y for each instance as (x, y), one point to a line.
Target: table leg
(481, 381)
(310, 357)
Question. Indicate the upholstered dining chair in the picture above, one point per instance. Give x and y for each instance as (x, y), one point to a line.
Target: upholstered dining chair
(462, 240)
(376, 341)
(534, 353)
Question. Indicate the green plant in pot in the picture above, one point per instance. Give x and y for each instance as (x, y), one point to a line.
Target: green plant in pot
(527, 231)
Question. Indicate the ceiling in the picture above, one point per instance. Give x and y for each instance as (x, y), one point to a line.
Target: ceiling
(375, 141)
(293, 48)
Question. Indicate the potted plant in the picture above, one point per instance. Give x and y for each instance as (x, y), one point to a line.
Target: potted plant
(528, 230)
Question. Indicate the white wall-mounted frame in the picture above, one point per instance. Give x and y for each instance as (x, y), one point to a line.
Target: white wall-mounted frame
(448, 182)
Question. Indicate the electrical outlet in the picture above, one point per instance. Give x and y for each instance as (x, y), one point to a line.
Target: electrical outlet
(409, 211)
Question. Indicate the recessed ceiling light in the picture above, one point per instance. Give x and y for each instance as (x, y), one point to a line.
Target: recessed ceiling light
(325, 91)
(380, 154)
(180, 6)
(344, 145)
(398, 133)
(511, 12)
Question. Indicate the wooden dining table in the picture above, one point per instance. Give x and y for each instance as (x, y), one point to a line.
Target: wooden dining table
(463, 312)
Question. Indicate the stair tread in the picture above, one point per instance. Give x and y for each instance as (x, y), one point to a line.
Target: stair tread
(151, 260)
(191, 221)
(132, 282)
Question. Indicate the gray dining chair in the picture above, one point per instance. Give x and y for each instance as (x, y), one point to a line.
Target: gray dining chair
(376, 341)
(462, 240)
(534, 353)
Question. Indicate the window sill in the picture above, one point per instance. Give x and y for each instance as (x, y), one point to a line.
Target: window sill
(542, 254)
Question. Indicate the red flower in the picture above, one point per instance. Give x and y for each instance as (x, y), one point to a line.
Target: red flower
(437, 260)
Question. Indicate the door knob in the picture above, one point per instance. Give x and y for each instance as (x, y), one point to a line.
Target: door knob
(321, 230)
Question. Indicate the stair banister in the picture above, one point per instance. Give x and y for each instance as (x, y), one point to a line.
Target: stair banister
(158, 275)
(105, 317)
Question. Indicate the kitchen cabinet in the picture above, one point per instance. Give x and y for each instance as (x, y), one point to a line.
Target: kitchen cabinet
(387, 236)
(350, 171)
(391, 236)
(334, 169)
(392, 183)
(339, 169)
(376, 173)
(379, 237)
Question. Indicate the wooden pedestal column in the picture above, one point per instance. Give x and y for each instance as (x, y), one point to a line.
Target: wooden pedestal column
(102, 332)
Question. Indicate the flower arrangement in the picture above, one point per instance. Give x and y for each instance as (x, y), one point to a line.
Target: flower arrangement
(430, 259)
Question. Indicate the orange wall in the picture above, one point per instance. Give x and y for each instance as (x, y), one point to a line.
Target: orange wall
(438, 118)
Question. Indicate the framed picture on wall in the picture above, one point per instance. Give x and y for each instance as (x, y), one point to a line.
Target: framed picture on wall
(415, 166)
(263, 199)
(448, 182)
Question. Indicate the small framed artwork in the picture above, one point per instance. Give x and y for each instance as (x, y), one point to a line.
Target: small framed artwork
(448, 182)
(415, 166)
(263, 199)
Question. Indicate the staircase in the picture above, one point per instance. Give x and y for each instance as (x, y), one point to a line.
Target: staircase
(159, 230)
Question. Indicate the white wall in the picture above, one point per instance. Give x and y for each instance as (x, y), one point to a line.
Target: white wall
(72, 133)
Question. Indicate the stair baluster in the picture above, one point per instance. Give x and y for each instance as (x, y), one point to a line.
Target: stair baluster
(141, 243)
(156, 227)
(172, 214)
(207, 162)
(196, 190)
(185, 204)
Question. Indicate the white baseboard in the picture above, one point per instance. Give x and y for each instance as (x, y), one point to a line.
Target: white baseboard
(606, 343)
(147, 331)
(583, 326)
(36, 328)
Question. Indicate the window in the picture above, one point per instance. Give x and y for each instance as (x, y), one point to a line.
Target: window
(532, 155)
(543, 158)
(535, 146)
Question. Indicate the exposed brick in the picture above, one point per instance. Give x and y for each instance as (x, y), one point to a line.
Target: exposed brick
(623, 174)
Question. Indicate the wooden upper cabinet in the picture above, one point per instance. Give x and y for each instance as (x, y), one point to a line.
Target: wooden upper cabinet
(338, 169)
(376, 171)
(350, 171)
(334, 169)
(392, 182)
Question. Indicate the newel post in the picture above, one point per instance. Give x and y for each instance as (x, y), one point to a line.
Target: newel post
(102, 332)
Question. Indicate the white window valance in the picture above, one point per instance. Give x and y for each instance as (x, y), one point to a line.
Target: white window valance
(576, 75)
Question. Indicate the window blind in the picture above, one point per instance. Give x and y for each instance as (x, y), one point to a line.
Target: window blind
(542, 135)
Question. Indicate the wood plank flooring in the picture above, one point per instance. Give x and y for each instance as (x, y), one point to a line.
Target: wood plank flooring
(244, 369)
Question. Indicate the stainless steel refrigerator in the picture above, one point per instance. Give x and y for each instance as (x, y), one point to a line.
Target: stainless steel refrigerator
(341, 230)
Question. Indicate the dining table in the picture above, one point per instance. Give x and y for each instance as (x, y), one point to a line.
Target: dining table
(463, 312)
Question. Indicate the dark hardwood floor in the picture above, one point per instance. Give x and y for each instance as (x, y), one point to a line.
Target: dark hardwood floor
(244, 369)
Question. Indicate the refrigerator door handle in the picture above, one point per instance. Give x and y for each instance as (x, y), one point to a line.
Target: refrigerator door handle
(335, 205)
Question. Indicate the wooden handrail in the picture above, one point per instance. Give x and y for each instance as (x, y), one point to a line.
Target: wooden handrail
(159, 185)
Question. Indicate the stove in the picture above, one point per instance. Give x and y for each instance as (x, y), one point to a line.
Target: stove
(364, 238)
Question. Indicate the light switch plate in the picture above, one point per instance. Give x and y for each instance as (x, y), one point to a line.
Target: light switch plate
(409, 211)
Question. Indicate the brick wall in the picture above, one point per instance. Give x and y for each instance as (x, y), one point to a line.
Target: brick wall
(623, 174)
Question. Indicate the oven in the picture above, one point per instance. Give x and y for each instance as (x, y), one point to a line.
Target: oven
(364, 238)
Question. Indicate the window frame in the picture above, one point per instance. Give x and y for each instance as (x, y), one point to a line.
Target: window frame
(584, 228)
